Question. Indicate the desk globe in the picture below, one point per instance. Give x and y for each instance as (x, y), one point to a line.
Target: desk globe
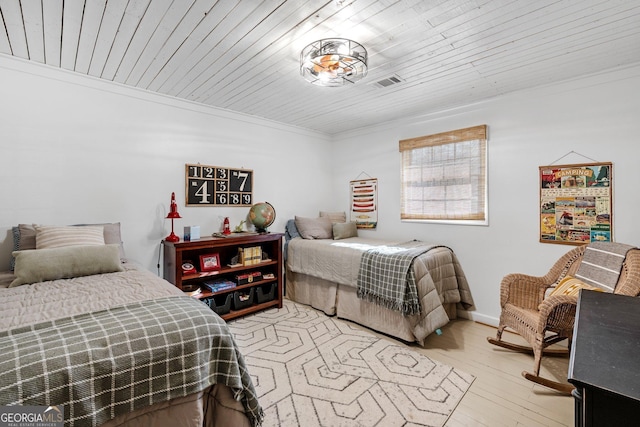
(262, 216)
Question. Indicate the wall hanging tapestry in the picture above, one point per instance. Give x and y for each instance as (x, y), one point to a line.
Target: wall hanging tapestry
(576, 205)
(218, 186)
(364, 203)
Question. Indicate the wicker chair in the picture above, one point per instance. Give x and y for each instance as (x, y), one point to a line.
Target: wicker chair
(545, 321)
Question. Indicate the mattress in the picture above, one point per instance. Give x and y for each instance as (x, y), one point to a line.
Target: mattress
(124, 317)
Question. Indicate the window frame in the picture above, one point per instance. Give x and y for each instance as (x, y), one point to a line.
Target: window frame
(481, 216)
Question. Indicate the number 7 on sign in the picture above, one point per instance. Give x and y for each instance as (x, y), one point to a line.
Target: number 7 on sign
(243, 176)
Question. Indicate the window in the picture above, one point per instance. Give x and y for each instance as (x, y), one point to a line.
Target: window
(444, 177)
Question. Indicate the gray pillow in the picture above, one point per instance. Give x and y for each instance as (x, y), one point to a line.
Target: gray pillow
(52, 236)
(342, 230)
(39, 265)
(24, 237)
(335, 216)
(314, 228)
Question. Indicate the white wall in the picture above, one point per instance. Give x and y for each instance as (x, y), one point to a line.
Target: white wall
(74, 150)
(595, 116)
(78, 150)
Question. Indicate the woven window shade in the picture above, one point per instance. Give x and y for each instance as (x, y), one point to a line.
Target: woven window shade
(444, 176)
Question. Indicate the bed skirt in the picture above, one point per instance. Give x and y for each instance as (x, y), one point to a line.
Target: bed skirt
(341, 300)
(214, 407)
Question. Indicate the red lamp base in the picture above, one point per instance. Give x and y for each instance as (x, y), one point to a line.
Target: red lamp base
(172, 238)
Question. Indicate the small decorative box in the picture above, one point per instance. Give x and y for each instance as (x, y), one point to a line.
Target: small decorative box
(254, 276)
(191, 232)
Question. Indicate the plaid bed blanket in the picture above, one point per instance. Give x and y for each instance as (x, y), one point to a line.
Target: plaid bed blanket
(387, 279)
(103, 364)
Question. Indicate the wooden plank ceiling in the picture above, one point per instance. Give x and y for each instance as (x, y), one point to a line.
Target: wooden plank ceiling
(243, 55)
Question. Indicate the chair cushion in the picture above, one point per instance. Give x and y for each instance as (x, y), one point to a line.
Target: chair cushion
(571, 286)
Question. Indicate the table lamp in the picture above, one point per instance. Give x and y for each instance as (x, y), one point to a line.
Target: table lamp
(173, 214)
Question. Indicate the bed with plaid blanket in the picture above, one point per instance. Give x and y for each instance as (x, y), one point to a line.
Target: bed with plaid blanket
(114, 347)
(327, 274)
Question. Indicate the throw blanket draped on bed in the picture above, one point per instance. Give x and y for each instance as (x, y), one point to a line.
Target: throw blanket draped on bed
(386, 276)
(166, 348)
(602, 263)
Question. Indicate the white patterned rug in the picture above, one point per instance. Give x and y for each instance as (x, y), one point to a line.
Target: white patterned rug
(313, 370)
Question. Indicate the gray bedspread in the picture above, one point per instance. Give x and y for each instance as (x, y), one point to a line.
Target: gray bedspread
(439, 276)
(129, 353)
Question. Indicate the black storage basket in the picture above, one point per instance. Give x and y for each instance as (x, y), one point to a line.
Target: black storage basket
(266, 292)
(221, 304)
(240, 303)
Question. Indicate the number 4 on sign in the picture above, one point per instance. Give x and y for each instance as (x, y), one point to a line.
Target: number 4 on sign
(202, 192)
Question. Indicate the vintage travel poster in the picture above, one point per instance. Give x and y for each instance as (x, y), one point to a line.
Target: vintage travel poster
(364, 203)
(576, 203)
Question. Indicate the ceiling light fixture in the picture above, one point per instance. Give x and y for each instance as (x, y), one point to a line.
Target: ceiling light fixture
(333, 62)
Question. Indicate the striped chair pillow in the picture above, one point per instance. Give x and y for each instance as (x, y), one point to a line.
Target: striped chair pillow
(48, 237)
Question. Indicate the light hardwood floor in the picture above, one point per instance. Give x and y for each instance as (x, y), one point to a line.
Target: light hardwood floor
(499, 396)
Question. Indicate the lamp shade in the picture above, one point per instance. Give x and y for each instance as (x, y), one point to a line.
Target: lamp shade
(333, 62)
(173, 208)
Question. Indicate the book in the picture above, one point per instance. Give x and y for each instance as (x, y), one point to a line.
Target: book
(250, 256)
(218, 285)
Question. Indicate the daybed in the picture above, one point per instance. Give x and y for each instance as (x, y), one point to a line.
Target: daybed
(323, 272)
(113, 344)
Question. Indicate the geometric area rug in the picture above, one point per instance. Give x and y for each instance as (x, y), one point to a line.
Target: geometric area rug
(311, 370)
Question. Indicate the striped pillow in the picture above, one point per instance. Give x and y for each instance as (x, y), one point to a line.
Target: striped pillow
(571, 286)
(48, 237)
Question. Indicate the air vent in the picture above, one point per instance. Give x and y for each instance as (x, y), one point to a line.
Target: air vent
(389, 81)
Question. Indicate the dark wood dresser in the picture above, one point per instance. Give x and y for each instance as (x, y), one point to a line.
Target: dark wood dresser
(605, 360)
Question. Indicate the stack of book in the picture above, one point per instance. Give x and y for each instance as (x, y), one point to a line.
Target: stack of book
(250, 256)
(218, 285)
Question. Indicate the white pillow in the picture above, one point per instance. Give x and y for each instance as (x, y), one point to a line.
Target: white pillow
(48, 237)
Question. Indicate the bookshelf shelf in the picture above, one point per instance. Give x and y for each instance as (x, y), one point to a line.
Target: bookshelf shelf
(270, 244)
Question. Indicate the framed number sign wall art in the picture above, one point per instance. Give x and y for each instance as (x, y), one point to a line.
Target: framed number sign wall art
(218, 186)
